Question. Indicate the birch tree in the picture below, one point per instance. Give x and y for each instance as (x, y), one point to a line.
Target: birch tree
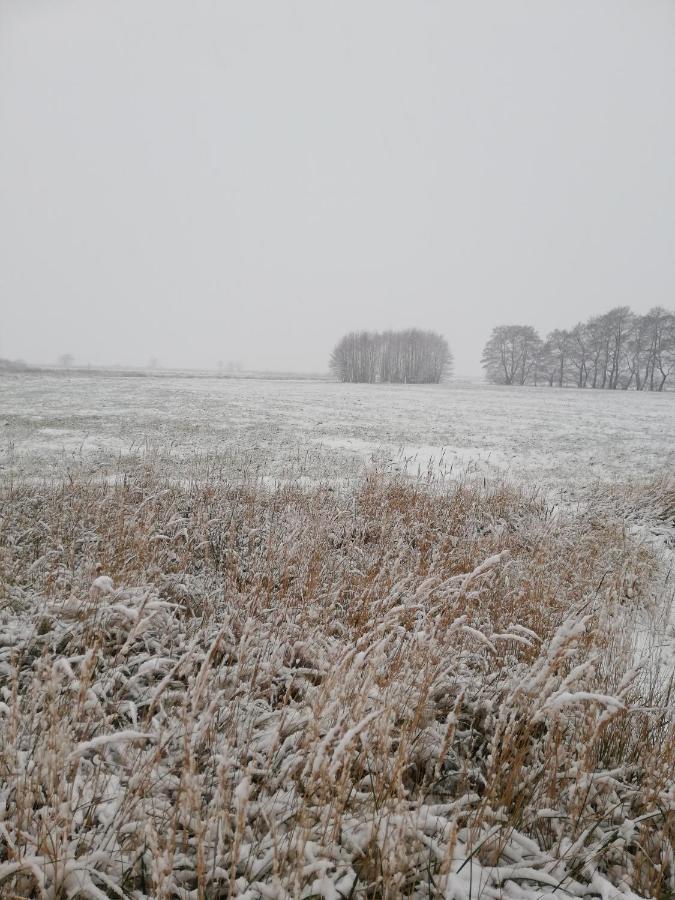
(396, 357)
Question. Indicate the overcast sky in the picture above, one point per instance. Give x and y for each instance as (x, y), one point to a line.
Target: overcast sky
(203, 180)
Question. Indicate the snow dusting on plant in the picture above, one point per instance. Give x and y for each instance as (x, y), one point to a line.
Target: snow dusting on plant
(215, 689)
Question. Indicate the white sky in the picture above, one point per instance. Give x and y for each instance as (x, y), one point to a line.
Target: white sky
(202, 180)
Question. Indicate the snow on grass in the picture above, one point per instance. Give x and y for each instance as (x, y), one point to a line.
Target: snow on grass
(563, 440)
(214, 689)
(234, 664)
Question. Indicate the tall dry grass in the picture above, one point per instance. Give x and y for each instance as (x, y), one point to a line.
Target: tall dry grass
(397, 690)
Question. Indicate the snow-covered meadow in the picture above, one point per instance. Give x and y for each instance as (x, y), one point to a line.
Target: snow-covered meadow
(559, 439)
(297, 639)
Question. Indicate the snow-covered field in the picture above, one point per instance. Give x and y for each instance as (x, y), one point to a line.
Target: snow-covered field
(563, 440)
(220, 676)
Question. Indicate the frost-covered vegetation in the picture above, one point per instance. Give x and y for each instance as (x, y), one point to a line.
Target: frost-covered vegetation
(562, 441)
(213, 689)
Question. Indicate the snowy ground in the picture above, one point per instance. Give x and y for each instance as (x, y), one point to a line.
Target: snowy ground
(258, 607)
(568, 442)
(563, 440)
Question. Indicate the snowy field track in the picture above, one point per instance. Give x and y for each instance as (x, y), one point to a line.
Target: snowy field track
(563, 440)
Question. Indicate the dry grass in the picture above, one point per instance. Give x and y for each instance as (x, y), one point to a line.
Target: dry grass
(392, 691)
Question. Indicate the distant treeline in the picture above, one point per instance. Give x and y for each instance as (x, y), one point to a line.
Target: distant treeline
(615, 351)
(396, 357)
(12, 365)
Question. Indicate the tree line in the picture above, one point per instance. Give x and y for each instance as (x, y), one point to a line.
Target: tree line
(618, 350)
(395, 357)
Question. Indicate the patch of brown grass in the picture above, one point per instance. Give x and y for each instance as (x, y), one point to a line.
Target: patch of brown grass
(396, 690)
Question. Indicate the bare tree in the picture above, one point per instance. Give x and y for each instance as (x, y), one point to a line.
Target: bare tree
(404, 357)
(619, 322)
(614, 350)
(511, 354)
(663, 342)
(580, 354)
(356, 357)
(546, 366)
(639, 352)
(559, 344)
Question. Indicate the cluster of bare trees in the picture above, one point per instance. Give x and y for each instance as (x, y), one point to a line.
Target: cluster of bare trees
(617, 350)
(397, 357)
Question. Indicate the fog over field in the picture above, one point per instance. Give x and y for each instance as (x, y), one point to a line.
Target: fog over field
(207, 181)
(337, 450)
